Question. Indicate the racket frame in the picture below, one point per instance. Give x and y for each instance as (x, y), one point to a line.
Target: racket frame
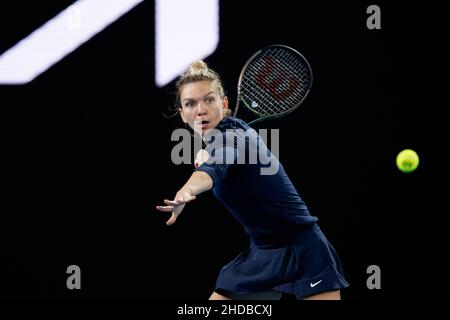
(271, 116)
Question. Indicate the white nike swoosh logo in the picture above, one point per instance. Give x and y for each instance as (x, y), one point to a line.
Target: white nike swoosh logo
(315, 283)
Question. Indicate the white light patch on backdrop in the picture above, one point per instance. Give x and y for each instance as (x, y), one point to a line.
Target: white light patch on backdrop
(59, 37)
(185, 31)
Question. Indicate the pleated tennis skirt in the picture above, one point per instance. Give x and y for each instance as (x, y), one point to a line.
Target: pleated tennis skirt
(305, 265)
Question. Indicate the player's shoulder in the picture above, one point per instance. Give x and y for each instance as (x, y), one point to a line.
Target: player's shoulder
(232, 123)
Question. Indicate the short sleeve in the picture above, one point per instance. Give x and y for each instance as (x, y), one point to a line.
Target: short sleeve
(222, 154)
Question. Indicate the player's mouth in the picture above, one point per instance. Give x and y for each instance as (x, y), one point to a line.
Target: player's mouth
(203, 124)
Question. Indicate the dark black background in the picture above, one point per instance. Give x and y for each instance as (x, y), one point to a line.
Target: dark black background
(86, 154)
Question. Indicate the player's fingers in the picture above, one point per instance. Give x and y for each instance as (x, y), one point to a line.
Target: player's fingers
(165, 208)
(173, 202)
(172, 219)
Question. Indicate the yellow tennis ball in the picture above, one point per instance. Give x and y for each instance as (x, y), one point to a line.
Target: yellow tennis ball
(407, 160)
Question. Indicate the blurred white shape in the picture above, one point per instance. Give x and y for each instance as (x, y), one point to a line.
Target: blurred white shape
(185, 31)
(73, 21)
(59, 37)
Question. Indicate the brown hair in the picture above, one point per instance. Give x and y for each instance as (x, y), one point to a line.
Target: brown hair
(197, 71)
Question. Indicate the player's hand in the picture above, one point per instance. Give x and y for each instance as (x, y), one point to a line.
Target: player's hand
(176, 205)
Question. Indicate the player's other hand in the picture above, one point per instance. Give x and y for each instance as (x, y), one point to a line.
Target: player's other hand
(176, 205)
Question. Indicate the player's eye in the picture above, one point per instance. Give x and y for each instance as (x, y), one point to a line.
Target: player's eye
(189, 104)
(209, 100)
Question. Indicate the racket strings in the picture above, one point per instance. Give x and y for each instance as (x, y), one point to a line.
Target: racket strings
(261, 101)
(288, 66)
(296, 68)
(279, 71)
(275, 82)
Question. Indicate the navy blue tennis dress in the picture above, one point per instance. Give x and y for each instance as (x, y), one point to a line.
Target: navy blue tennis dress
(288, 251)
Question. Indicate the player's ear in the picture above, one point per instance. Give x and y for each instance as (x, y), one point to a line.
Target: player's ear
(225, 104)
(180, 111)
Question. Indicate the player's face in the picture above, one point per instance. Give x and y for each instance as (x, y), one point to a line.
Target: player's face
(201, 105)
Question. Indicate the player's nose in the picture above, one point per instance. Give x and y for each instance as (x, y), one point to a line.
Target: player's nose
(201, 109)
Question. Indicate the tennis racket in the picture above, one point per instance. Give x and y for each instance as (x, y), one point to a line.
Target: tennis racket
(273, 83)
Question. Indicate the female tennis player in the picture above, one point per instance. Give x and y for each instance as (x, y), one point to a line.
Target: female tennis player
(288, 252)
